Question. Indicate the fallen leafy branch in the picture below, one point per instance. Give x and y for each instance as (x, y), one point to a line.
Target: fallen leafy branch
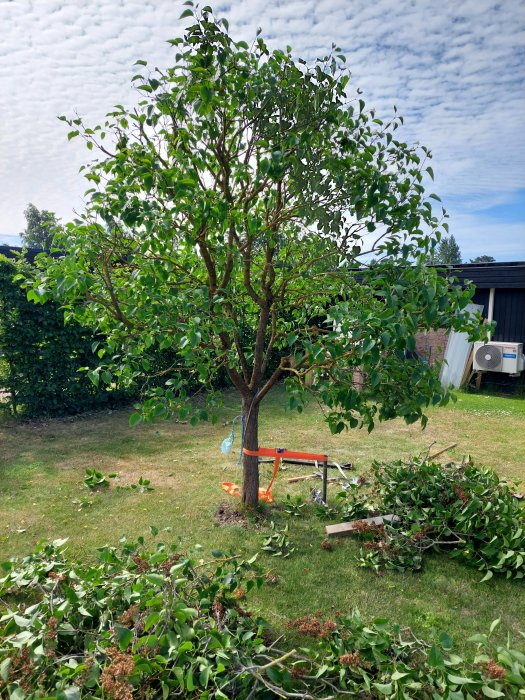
(154, 624)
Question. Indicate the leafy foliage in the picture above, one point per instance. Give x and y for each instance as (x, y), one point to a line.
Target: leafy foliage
(251, 190)
(294, 506)
(483, 259)
(142, 624)
(447, 252)
(41, 226)
(143, 486)
(42, 356)
(95, 479)
(85, 502)
(466, 510)
(352, 506)
(325, 513)
(277, 543)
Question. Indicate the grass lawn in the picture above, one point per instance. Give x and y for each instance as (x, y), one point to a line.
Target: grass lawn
(42, 467)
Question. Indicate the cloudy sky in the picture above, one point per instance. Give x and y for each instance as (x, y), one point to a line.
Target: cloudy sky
(454, 68)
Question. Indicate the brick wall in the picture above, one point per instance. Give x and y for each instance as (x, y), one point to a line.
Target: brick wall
(431, 345)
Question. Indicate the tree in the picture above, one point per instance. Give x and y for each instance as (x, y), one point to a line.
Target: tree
(447, 252)
(250, 216)
(483, 259)
(40, 228)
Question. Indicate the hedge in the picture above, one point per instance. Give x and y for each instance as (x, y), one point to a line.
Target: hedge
(41, 356)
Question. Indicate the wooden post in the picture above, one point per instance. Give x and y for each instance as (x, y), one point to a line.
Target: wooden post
(467, 372)
(478, 379)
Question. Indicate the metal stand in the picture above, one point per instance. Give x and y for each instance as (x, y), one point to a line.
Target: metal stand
(281, 454)
(325, 480)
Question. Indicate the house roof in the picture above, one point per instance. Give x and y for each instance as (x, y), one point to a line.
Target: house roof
(500, 275)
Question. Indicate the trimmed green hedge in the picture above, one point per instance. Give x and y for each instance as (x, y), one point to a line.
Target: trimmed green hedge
(41, 356)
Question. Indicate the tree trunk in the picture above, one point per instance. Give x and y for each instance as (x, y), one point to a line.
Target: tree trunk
(250, 465)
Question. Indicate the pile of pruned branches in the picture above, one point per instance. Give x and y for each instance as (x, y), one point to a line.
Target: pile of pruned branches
(463, 509)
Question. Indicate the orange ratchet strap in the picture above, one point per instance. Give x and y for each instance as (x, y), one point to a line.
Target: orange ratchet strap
(279, 453)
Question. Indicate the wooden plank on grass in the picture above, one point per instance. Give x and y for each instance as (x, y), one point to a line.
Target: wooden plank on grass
(294, 479)
(342, 529)
(445, 449)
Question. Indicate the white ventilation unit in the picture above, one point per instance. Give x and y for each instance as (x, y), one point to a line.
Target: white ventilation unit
(499, 357)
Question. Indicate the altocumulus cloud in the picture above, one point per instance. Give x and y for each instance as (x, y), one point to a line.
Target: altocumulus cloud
(455, 70)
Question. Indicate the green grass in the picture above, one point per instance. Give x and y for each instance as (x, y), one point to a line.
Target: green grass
(42, 466)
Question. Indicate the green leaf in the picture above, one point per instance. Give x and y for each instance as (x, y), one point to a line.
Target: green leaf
(384, 688)
(487, 577)
(494, 624)
(190, 684)
(478, 638)
(397, 675)
(4, 668)
(204, 677)
(460, 680)
(186, 13)
(445, 641)
(135, 419)
(179, 674)
(367, 345)
(151, 620)
(275, 675)
(491, 693)
(124, 636)
(385, 338)
(16, 694)
(435, 658)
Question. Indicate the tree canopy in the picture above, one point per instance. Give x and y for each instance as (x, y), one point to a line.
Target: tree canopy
(252, 215)
(40, 227)
(447, 252)
(483, 259)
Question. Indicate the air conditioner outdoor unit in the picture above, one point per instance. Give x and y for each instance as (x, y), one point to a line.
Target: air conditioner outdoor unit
(499, 357)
